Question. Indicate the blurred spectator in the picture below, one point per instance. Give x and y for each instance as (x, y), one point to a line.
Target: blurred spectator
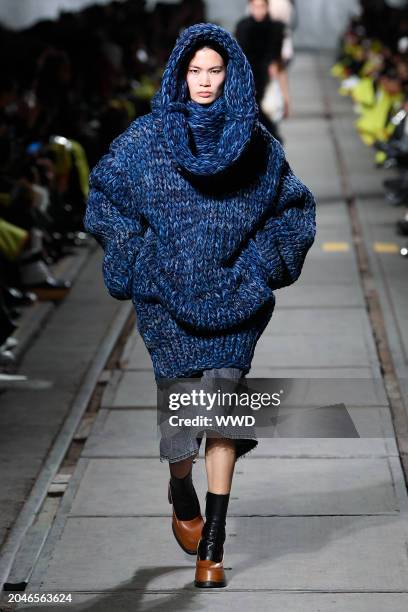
(285, 12)
(67, 88)
(261, 39)
(372, 65)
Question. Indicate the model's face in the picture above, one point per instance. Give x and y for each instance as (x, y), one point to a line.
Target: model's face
(258, 9)
(205, 76)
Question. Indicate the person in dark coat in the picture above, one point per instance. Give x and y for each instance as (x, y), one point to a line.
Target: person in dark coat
(261, 39)
(201, 218)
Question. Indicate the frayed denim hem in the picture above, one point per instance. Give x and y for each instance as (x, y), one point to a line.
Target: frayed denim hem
(163, 458)
(241, 455)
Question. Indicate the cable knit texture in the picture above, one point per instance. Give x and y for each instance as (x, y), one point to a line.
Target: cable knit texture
(200, 217)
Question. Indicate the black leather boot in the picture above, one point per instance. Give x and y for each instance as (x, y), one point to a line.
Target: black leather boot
(210, 552)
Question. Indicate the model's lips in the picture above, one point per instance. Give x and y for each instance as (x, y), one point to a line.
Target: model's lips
(204, 94)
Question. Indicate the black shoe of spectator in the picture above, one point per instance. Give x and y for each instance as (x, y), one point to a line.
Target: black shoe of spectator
(7, 358)
(37, 277)
(9, 344)
(15, 297)
(402, 226)
(14, 313)
(7, 326)
(397, 198)
(394, 184)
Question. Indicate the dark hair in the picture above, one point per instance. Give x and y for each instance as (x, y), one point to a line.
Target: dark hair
(202, 44)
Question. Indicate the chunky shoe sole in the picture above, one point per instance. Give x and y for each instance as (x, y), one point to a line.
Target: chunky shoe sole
(209, 585)
(209, 574)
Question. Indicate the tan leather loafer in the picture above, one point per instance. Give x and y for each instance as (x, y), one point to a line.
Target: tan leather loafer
(187, 533)
(209, 574)
(210, 550)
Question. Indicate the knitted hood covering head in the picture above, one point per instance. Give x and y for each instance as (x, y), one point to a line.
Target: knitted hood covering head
(221, 130)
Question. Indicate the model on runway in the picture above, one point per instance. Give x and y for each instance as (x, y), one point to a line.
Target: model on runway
(201, 218)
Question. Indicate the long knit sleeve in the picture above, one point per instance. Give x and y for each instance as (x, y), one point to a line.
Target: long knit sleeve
(281, 245)
(112, 218)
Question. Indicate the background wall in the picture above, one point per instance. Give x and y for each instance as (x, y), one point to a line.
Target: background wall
(320, 21)
(22, 13)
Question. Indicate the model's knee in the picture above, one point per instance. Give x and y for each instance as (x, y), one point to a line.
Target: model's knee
(181, 468)
(224, 445)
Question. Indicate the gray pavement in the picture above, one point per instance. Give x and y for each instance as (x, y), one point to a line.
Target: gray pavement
(314, 523)
(32, 414)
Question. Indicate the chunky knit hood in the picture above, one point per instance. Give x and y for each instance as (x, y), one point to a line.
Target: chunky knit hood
(222, 130)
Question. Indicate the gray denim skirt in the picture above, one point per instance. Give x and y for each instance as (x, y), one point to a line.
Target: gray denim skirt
(186, 442)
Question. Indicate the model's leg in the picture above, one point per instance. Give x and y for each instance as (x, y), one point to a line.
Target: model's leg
(183, 495)
(220, 457)
(187, 521)
(181, 451)
(219, 463)
(180, 469)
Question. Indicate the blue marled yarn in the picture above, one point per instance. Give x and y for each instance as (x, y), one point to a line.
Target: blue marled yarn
(201, 218)
(206, 123)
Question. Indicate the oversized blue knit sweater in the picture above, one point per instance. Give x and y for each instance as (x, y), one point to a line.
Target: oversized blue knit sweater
(200, 217)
